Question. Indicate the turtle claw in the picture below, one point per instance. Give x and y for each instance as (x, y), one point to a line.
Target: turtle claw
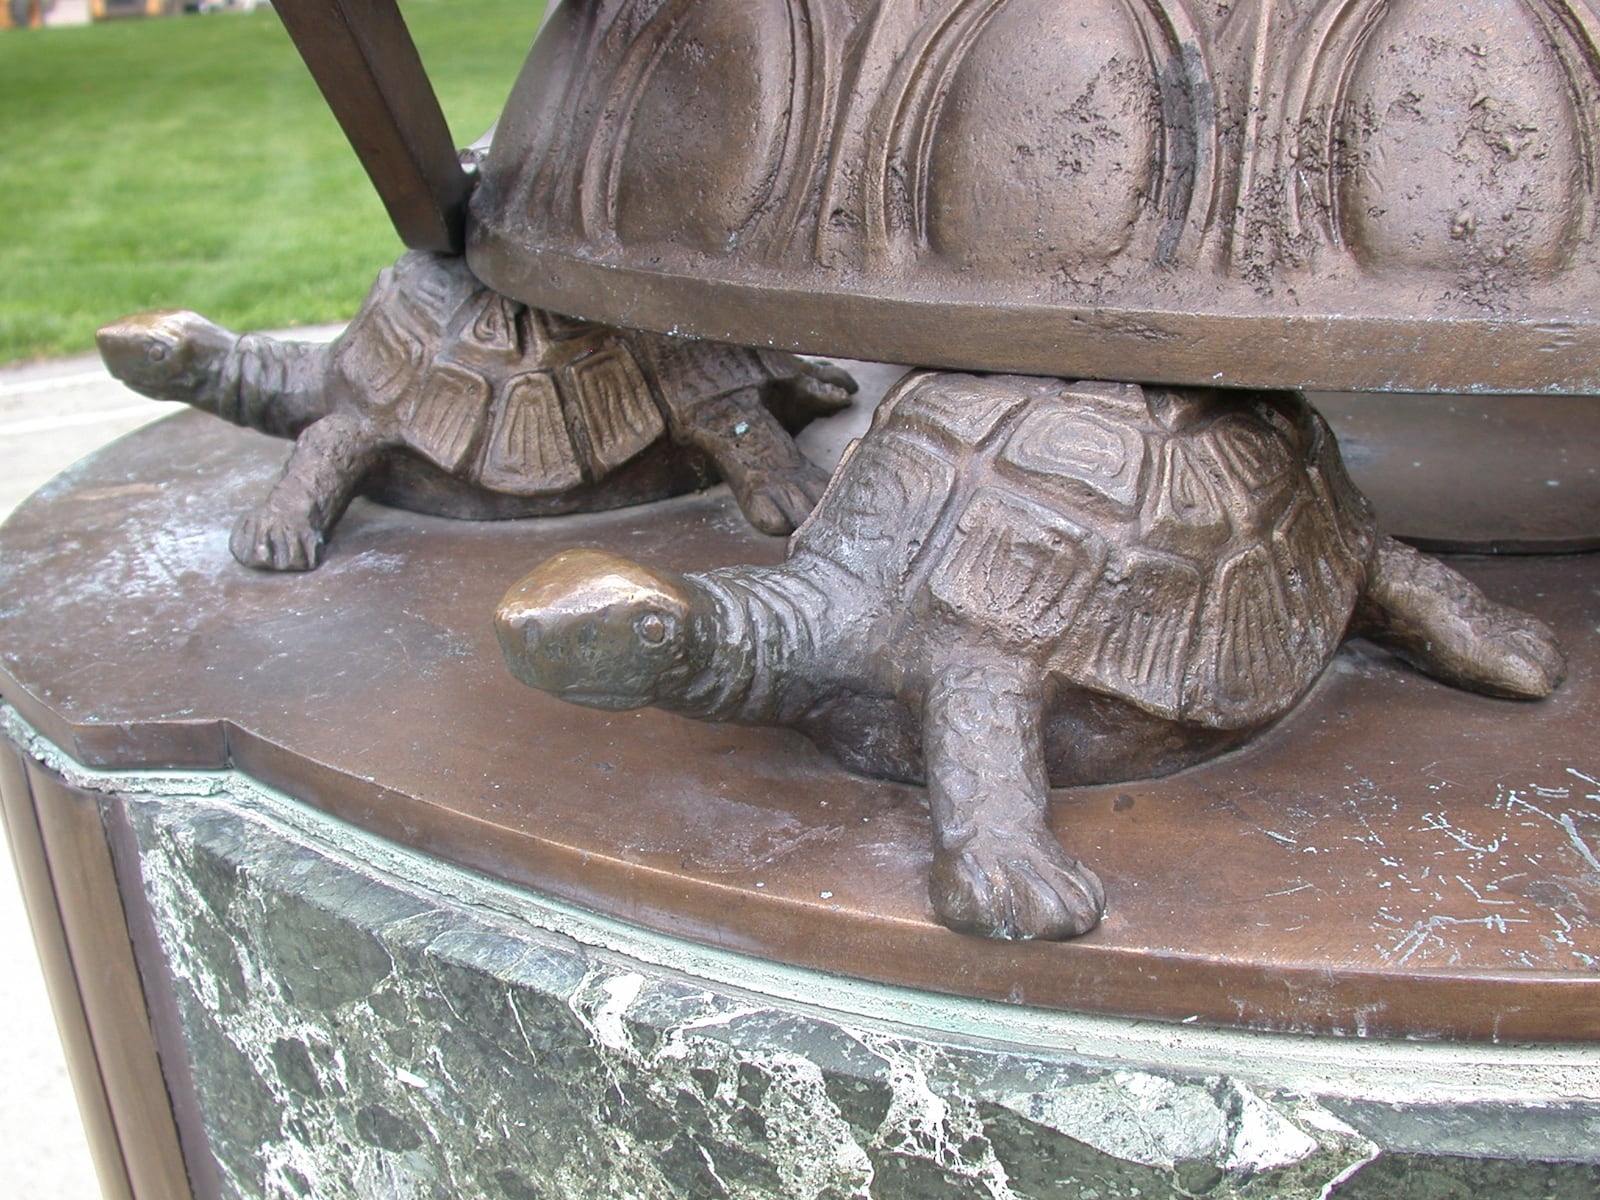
(1536, 660)
(1513, 655)
(1019, 889)
(831, 374)
(268, 542)
(828, 386)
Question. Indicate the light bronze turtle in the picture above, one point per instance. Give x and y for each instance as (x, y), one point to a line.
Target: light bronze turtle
(1017, 582)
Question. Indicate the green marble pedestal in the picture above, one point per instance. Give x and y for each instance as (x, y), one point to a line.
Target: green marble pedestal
(362, 1021)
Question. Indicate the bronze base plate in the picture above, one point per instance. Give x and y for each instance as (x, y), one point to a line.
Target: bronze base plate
(1396, 858)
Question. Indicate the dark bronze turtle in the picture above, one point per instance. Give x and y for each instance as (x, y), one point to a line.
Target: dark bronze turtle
(445, 397)
(1015, 582)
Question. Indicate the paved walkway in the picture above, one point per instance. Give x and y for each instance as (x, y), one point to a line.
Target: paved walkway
(51, 415)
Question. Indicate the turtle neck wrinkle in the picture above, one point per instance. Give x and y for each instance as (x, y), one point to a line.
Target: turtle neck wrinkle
(764, 626)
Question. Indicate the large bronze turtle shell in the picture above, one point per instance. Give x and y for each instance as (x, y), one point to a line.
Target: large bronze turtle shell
(1196, 553)
(1340, 194)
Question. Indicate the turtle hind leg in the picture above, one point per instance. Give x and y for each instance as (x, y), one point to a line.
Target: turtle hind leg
(739, 407)
(775, 484)
(997, 868)
(1440, 623)
(808, 391)
(289, 529)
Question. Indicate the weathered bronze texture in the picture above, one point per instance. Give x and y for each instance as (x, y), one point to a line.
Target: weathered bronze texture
(1015, 582)
(362, 57)
(447, 398)
(1395, 857)
(1330, 194)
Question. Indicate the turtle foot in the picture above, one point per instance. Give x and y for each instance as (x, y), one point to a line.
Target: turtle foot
(776, 485)
(268, 541)
(819, 389)
(1015, 887)
(1440, 622)
(777, 501)
(1498, 651)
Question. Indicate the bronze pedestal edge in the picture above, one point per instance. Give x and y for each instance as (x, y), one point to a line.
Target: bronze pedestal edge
(1342, 872)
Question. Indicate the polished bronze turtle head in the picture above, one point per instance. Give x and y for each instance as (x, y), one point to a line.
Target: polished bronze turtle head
(165, 355)
(600, 630)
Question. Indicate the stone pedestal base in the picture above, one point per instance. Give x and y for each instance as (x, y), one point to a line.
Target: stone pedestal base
(358, 1020)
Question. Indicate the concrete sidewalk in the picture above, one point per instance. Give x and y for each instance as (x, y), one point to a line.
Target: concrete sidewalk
(51, 415)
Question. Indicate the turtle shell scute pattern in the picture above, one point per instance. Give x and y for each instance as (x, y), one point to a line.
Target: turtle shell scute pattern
(1197, 554)
(521, 401)
(889, 493)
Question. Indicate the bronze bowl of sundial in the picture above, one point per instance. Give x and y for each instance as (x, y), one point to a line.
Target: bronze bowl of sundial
(1390, 195)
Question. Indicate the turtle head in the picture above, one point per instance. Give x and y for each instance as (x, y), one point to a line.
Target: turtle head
(171, 355)
(600, 630)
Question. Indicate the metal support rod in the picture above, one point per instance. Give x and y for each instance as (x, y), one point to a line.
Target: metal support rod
(364, 61)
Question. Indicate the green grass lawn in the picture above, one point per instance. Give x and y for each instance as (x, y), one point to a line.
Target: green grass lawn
(190, 162)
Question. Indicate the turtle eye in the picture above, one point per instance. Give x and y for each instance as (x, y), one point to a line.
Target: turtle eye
(157, 352)
(651, 628)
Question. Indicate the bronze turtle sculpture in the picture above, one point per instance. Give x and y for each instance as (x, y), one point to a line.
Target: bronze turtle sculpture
(445, 397)
(1016, 582)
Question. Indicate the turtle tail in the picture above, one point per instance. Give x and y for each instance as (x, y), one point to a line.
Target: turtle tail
(251, 380)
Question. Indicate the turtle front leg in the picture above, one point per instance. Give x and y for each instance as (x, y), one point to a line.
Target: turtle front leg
(776, 485)
(997, 868)
(288, 530)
